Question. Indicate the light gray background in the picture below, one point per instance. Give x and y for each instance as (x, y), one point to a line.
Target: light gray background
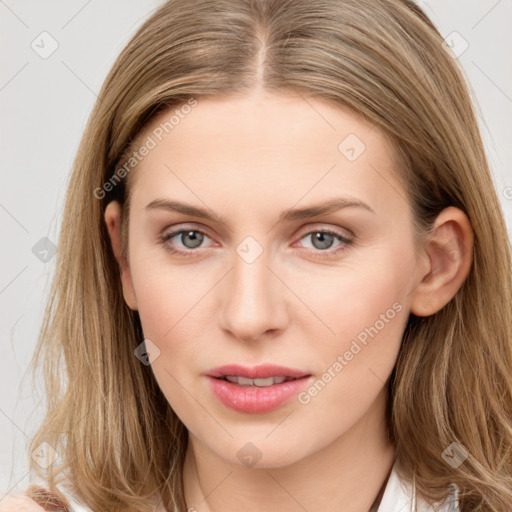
(45, 103)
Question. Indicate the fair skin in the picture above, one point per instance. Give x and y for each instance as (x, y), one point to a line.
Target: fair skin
(248, 159)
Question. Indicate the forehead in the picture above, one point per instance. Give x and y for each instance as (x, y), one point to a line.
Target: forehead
(268, 144)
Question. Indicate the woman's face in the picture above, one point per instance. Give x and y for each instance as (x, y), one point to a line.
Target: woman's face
(259, 282)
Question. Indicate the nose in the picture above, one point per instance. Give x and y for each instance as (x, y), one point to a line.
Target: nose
(254, 300)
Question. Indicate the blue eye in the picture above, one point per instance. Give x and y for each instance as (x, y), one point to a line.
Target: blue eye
(196, 237)
(191, 239)
(324, 239)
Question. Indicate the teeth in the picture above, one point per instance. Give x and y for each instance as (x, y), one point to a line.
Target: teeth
(244, 381)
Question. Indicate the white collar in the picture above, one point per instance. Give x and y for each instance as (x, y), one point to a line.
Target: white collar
(400, 496)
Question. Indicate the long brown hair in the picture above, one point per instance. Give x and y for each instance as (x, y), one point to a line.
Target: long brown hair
(384, 60)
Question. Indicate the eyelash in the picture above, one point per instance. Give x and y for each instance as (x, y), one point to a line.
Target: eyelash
(163, 239)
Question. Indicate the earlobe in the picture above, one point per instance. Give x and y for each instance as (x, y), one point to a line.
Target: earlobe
(113, 221)
(450, 254)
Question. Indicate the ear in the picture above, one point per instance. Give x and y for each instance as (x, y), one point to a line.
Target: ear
(449, 252)
(113, 222)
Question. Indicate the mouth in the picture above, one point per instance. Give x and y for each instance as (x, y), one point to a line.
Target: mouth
(262, 375)
(260, 383)
(258, 394)
(258, 389)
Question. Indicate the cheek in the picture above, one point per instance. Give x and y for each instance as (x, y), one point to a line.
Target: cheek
(172, 301)
(155, 297)
(168, 305)
(368, 312)
(365, 286)
(366, 308)
(165, 302)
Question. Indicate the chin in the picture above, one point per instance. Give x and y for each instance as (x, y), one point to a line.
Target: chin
(265, 454)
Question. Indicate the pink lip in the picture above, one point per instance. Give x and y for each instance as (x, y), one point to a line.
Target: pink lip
(253, 399)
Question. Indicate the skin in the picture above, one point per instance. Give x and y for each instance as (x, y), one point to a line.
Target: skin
(248, 159)
(19, 503)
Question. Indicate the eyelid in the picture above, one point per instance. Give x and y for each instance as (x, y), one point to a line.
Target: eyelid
(177, 229)
(343, 232)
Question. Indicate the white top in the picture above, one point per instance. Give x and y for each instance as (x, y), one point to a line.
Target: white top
(399, 496)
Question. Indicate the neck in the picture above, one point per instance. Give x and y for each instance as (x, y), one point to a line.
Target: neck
(346, 475)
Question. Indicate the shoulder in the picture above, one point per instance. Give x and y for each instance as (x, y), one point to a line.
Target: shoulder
(37, 498)
(19, 503)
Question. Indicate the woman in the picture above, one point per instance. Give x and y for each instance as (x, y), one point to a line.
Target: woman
(337, 332)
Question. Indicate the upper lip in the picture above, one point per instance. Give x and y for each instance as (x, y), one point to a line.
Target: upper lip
(262, 371)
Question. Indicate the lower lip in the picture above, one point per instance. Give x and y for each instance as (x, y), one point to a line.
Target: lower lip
(253, 399)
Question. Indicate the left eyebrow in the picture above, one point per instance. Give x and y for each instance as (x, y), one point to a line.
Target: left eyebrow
(333, 205)
(308, 212)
